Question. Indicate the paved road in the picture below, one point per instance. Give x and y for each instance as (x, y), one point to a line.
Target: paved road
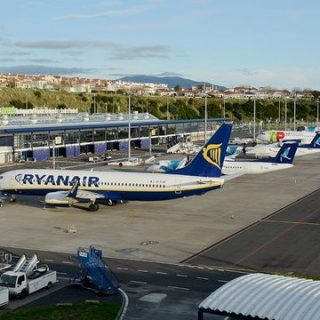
(156, 290)
(286, 241)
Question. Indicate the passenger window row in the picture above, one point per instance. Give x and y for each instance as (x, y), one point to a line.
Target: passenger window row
(124, 184)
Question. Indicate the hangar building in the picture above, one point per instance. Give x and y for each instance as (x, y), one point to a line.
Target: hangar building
(264, 296)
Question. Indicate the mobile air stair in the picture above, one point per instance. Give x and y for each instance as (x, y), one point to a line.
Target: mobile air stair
(27, 265)
(95, 274)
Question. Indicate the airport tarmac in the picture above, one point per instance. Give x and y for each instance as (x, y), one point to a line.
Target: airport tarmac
(167, 231)
(288, 241)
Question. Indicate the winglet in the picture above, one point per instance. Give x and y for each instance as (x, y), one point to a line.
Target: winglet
(74, 189)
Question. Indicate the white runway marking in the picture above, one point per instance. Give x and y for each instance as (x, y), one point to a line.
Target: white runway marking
(202, 278)
(179, 288)
(138, 282)
(159, 272)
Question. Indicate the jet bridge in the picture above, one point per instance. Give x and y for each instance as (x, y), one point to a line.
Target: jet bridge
(95, 273)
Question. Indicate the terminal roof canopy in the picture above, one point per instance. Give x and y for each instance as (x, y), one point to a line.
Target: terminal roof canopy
(266, 297)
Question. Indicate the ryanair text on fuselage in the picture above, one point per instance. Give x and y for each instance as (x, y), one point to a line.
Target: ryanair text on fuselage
(59, 180)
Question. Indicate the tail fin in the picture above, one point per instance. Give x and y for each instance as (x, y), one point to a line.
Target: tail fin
(209, 161)
(315, 143)
(286, 153)
(74, 189)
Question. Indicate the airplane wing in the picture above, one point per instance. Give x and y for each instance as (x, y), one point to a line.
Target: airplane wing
(82, 195)
(88, 195)
(73, 196)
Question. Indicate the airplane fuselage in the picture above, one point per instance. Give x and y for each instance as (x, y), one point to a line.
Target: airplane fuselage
(279, 135)
(251, 167)
(112, 185)
(271, 150)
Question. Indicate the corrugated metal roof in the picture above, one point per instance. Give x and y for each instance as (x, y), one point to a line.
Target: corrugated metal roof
(267, 297)
(95, 125)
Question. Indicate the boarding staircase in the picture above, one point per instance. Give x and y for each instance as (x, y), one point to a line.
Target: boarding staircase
(27, 265)
(101, 277)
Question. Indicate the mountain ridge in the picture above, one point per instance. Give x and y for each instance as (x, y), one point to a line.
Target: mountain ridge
(171, 81)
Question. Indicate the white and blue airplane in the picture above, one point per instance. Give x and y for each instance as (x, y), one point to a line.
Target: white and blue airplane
(67, 187)
(283, 160)
(272, 149)
(168, 166)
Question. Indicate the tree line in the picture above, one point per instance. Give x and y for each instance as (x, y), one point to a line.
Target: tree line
(164, 107)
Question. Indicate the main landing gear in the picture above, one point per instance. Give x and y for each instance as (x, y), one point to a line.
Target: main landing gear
(93, 207)
(111, 203)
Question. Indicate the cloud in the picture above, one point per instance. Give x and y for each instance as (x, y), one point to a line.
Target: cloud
(117, 51)
(41, 69)
(7, 59)
(42, 60)
(72, 53)
(136, 52)
(60, 44)
(105, 14)
(14, 53)
(247, 72)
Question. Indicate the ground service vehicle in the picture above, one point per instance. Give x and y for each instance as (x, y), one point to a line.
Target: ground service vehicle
(4, 296)
(27, 277)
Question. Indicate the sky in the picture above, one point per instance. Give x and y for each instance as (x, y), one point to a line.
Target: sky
(226, 42)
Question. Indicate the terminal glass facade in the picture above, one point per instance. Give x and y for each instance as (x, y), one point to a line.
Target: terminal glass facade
(97, 138)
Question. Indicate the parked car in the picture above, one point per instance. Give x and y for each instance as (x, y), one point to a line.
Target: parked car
(99, 158)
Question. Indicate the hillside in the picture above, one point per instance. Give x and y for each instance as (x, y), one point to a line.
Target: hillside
(170, 81)
(178, 107)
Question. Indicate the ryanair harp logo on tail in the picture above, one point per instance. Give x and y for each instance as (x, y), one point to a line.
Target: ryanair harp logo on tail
(212, 154)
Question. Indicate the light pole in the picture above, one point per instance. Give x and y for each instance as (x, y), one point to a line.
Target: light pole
(53, 154)
(254, 118)
(205, 118)
(94, 103)
(167, 107)
(224, 107)
(294, 112)
(129, 128)
(317, 111)
(285, 113)
(150, 141)
(279, 110)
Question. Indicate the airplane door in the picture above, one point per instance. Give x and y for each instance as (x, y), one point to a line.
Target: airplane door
(177, 190)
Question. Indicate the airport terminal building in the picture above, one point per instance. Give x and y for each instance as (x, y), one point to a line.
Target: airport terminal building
(35, 136)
